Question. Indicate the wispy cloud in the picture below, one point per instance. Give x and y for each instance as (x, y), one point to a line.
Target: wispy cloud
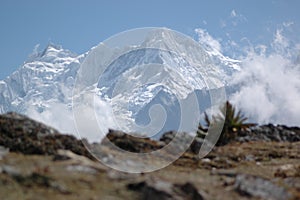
(233, 13)
(288, 24)
(207, 40)
(235, 18)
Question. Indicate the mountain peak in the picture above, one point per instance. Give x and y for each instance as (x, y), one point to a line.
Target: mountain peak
(50, 53)
(160, 38)
(52, 46)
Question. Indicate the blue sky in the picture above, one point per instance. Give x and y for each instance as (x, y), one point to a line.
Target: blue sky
(80, 25)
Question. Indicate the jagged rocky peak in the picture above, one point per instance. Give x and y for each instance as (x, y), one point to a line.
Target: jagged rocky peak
(51, 53)
(46, 77)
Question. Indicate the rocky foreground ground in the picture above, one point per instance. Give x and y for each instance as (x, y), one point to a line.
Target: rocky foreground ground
(37, 162)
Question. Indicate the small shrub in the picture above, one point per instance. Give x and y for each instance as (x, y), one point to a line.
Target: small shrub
(234, 122)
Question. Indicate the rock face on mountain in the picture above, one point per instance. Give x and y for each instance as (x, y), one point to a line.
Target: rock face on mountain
(37, 162)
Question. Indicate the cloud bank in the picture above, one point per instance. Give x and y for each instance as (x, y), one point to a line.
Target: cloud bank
(60, 116)
(269, 81)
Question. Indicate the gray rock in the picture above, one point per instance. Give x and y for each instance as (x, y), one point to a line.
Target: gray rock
(81, 168)
(189, 191)
(196, 145)
(258, 187)
(270, 132)
(3, 151)
(10, 170)
(168, 137)
(158, 189)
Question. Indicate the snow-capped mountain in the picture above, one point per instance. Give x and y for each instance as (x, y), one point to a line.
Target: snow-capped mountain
(45, 77)
(133, 83)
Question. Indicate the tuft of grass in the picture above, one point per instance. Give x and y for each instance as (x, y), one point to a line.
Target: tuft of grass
(234, 122)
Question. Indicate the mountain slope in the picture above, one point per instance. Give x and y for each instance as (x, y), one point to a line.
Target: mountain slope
(44, 84)
(45, 77)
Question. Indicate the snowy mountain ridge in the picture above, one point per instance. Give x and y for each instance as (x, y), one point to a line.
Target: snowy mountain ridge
(44, 77)
(48, 78)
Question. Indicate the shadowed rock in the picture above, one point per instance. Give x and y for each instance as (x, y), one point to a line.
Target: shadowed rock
(158, 189)
(22, 134)
(138, 144)
(132, 143)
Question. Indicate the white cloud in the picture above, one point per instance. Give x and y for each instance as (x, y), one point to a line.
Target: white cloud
(288, 24)
(56, 115)
(36, 49)
(236, 18)
(280, 42)
(249, 101)
(223, 23)
(60, 116)
(93, 121)
(261, 49)
(270, 84)
(34, 52)
(233, 13)
(207, 40)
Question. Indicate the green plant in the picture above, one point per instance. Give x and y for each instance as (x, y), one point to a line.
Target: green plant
(234, 122)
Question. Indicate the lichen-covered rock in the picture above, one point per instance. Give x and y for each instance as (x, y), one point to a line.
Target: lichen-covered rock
(22, 134)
